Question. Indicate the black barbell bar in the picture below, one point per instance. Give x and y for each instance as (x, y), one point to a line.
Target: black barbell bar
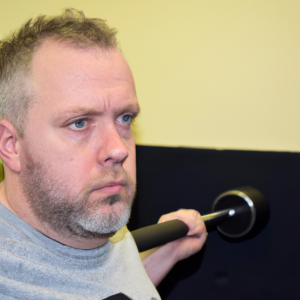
(237, 214)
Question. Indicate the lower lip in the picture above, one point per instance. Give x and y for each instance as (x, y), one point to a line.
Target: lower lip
(113, 189)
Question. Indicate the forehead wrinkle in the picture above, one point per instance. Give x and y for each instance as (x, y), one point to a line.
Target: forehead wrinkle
(102, 84)
(103, 81)
(107, 102)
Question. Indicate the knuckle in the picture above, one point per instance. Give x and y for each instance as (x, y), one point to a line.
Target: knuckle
(195, 214)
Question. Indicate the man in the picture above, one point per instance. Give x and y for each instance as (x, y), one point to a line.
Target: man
(67, 103)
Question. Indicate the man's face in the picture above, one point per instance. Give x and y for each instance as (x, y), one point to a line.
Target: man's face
(78, 152)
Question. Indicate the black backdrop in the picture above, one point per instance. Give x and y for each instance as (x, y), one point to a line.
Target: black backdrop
(264, 267)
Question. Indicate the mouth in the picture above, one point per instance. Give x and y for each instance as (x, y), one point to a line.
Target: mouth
(112, 187)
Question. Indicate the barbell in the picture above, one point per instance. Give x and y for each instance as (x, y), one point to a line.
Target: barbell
(237, 214)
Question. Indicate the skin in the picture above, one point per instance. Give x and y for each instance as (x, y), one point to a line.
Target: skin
(159, 261)
(96, 86)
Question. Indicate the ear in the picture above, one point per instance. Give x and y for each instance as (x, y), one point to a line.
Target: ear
(9, 146)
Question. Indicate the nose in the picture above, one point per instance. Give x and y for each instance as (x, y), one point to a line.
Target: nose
(112, 150)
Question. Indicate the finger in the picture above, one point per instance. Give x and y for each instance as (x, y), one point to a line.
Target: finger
(190, 217)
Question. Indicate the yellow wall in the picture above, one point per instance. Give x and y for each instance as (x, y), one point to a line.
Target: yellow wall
(210, 73)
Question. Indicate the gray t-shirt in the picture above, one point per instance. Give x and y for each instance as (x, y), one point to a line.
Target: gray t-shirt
(33, 266)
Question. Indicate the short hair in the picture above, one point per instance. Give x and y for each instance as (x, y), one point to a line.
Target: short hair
(17, 50)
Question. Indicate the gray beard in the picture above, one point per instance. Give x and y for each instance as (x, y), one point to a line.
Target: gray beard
(72, 216)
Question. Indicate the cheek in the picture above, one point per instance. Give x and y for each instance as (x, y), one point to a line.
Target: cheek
(76, 169)
(72, 165)
(70, 168)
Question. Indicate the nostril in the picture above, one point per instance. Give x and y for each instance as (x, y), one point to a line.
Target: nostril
(116, 157)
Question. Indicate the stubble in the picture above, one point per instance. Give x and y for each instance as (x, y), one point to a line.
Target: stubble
(73, 216)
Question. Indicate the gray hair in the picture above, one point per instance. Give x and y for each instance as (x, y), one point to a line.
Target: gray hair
(17, 50)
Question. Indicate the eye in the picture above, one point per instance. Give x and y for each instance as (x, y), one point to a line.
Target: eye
(79, 124)
(126, 119)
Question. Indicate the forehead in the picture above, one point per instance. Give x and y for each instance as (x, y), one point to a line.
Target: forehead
(65, 76)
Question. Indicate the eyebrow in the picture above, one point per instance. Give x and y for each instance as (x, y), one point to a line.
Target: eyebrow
(79, 110)
(134, 108)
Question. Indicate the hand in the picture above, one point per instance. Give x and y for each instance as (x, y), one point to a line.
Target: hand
(196, 236)
(159, 261)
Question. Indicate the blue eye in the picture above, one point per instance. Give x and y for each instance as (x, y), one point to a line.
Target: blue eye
(126, 119)
(79, 124)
